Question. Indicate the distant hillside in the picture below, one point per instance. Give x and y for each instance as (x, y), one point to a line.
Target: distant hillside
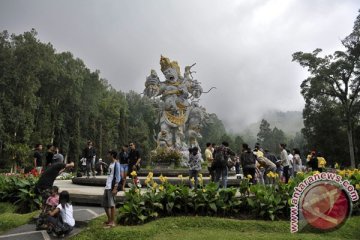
(290, 122)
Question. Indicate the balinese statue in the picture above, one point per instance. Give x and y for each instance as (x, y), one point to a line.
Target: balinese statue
(180, 116)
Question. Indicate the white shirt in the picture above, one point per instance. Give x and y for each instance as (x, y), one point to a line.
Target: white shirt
(110, 176)
(290, 158)
(297, 163)
(67, 214)
(284, 158)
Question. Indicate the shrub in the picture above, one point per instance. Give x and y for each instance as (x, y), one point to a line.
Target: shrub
(20, 190)
(270, 202)
(166, 156)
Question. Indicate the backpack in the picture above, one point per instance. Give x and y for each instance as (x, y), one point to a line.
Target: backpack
(248, 160)
(119, 187)
(220, 160)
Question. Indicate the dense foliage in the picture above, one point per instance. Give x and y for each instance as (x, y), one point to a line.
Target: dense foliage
(269, 202)
(19, 189)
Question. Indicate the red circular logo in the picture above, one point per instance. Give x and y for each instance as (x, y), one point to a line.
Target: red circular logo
(325, 206)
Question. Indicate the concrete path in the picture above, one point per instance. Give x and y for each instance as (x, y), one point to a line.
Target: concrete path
(82, 215)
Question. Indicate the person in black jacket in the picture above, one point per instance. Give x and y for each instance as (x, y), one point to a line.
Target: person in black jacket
(90, 154)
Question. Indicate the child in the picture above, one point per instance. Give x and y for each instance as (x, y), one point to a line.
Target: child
(61, 220)
(53, 200)
(50, 204)
(194, 166)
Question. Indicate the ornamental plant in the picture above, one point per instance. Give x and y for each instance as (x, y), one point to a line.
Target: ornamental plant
(19, 189)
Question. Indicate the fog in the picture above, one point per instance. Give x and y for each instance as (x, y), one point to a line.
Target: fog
(243, 48)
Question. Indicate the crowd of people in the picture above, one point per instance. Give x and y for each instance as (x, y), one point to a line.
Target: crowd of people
(258, 163)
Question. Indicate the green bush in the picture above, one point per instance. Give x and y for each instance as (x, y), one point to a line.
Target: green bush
(20, 190)
(269, 202)
(165, 156)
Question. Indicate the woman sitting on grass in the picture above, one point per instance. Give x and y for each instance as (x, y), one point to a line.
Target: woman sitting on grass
(63, 223)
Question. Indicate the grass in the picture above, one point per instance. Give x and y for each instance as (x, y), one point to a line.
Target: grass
(9, 219)
(210, 228)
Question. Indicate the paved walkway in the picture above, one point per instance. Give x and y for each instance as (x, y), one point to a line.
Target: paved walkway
(82, 215)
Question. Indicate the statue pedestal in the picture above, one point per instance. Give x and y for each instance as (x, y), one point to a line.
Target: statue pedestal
(164, 165)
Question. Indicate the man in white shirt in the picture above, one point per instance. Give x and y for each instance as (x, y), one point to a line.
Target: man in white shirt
(111, 189)
(284, 161)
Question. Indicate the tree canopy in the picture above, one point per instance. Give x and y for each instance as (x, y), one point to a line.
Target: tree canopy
(334, 82)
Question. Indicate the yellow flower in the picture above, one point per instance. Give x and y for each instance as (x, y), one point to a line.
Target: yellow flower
(271, 175)
(162, 178)
(133, 173)
(316, 172)
(150, 175)
(336, 165)
(357, 186)
(341, 173)
(192, 180)
(249, 176)
(201, 178)
(147, 180)
(204, 190)
(276, 175)
(154, 185)
(180, 176)
(161, 188)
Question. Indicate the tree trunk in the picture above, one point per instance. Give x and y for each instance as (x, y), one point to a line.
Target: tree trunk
(351, 145)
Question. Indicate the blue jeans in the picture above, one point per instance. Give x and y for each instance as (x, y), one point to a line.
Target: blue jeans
(124, 168)
(90, 166)
(223, 173)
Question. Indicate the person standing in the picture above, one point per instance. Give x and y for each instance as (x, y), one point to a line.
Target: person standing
(134, 162)
(321, 162)
(49, 155)
(123, 157)
(89, 153)
(313, 161)
(248, 160)
(111, 189)
(284, 161)
(58, 157)
(194, 166)
(38, 164)
(291, 163)
(221, 155)
(209, 160)
(297, 161)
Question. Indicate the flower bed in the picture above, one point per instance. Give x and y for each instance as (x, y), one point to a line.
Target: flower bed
(271, 202)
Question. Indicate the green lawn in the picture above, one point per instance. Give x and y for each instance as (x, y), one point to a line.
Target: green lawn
(210, 228)
(9, 219)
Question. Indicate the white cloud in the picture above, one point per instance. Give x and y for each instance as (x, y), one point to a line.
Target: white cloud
(242, 47)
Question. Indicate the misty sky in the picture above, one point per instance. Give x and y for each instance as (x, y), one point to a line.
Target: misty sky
(242, 47)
